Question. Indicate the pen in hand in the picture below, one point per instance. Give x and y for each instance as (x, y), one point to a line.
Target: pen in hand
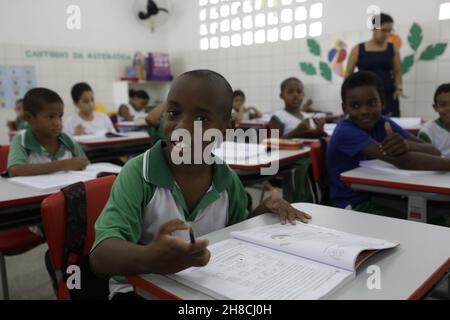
(191, 235)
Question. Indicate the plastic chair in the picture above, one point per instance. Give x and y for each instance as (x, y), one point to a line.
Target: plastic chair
(13, 242)
(54, 218)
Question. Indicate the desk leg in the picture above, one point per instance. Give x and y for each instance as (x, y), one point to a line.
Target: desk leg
(288, 185)
(4, 277)
(417, 209)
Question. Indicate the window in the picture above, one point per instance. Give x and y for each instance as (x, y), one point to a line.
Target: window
(234, 23)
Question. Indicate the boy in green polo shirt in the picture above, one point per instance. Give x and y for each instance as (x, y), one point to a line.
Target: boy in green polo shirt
(43, 148)
(142, 227)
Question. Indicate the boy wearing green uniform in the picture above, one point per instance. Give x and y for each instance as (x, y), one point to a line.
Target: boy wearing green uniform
(143, 226)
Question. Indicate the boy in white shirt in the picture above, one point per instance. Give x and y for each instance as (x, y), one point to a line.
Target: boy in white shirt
(87, 120)
(437, 132)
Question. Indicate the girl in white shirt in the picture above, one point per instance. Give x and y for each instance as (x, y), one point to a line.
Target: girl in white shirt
(87, 120)
(139, 99)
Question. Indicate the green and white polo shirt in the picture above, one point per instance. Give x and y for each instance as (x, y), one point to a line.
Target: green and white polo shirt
(288, 120)
(25, 149)
(146, 196)
(436, 133)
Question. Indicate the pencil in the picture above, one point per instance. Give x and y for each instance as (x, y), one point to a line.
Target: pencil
(191, 235)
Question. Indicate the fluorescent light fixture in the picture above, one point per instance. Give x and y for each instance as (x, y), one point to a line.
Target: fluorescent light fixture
(444, 11)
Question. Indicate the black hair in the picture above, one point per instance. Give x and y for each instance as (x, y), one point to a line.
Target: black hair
(19, 101)
(141, 94)
(361, 79)
(78, 90)
(238, 93)
(217, 81)
(286, 82)
(36, 99)
(383, 18)
(443, 88)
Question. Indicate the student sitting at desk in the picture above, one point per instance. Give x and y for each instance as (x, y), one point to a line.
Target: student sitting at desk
(290, 121)
(240, 112)
(155, 122)
(87, 120)
(19, 123)
(139, 99)
(44, 148)
(139, 230)
(437, 132)
(366, 134)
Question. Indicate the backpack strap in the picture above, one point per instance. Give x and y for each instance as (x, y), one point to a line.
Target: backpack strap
(75, 196)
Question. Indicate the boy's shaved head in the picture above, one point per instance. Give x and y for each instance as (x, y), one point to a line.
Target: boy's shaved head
(214, 83)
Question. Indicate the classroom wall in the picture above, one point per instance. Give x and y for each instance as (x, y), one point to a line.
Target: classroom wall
(259, 69)
(109, 35)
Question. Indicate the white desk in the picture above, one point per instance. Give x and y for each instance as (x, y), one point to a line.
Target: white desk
(103, 149)
(250, 169)
(418, 189)
(19, 206)
(131, 125)
(407, 272)
(411, 124)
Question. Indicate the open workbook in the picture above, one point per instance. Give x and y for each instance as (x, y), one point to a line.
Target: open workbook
(58, 180)
(281, 262)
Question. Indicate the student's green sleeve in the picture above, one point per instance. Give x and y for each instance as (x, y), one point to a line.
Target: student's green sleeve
(122, 216)
(78, 151)
(17, 153)
(424, 137)
(277, 119)
(238, 201)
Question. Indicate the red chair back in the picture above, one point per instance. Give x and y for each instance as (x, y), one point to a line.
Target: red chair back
(4, 151)
(316, 160)
(54, 217)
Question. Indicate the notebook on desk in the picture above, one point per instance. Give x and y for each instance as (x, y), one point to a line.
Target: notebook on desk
(282, 262)
(58, 180)
(235, 151)
(386, 167)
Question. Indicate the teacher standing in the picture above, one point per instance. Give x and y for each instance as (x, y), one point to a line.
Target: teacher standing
(381, 57)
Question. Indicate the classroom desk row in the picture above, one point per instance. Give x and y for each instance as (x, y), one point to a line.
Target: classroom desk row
(418, 189)
(103, 149)
(20, 206)
(423, 246)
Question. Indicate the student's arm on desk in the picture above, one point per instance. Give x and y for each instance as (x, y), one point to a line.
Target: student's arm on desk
(396, 145)
(410, 160)
(275, 124)
(125, 113)
(166, 254)
(276, 204)
(78, 163)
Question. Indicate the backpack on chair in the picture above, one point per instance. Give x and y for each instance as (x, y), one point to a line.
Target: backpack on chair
(73, 278)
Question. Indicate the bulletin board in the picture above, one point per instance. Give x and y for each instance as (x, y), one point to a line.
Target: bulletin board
(15, 81)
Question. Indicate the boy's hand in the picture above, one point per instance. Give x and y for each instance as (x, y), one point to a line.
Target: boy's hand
(276, 204)
(79, 130)
(171, 254)
(303, 126)
(320, 123)
(394, 145)
(77, 163)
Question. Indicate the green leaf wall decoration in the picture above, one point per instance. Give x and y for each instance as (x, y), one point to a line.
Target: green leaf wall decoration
(407, 63)
(433, 51)
(308, 68)
(314, 47)
(415, 36)
(325, 71)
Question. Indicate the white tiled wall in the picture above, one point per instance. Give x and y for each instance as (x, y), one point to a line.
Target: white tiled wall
(259, 69)
(61, 75)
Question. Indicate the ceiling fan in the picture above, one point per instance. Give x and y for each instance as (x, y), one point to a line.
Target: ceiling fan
(149, 12)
